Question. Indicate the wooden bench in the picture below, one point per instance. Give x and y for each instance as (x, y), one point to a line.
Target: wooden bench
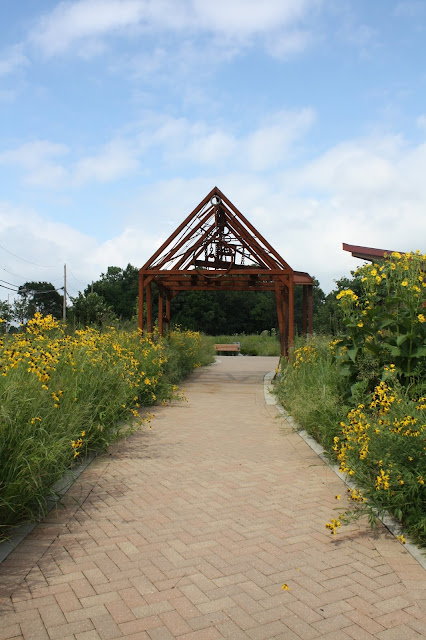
(227, 348)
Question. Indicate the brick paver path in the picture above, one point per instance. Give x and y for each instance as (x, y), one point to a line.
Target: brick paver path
(190, 529)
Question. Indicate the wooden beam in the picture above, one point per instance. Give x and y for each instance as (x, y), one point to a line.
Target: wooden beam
(253, 230)
(140, 302)
(305, 310)
(180, 228)
(185, 239)
(169, 296)
(291, 312)
(280, 314)
(149, 326)
(160, 310)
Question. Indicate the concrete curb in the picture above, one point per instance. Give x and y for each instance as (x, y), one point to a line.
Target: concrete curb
(59, 488)
(389, 522)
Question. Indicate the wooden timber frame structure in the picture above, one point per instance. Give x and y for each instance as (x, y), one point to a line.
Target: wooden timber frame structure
(217, 249)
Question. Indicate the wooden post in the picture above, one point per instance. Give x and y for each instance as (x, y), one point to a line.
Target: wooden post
(305, 310)
(290, 310)
(169, 295)
(285, 317)
(160, 310)
(149, 308)
(310, 309)
(280, 314)
(140, 314)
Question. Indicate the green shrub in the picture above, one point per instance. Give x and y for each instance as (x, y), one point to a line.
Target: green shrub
(386, 322)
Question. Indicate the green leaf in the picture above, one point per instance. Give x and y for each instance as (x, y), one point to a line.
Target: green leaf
(420, 352)
(352, 353)
(394, 351)
(371, 346)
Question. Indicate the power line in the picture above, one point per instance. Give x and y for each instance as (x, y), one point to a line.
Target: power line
(29, 261)
(12, 284)
(3, 286)
(80, 281)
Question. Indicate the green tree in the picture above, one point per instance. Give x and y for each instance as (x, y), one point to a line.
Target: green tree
(41, 297)
(90, 309)
(119, 289)
(328, 316)
(6, 316)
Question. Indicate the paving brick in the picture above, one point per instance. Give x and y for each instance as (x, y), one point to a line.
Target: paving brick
(266, 631)
(399, 632)
(34, 630)
(231, 631)
(358, 633)
(70, 629)
(190, 530)
(10, 631)
(241, 618)
(142, 624)
(204, 634)
(300, 627)
(333, 623)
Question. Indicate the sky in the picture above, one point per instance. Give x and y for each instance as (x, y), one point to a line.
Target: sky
(117, 117)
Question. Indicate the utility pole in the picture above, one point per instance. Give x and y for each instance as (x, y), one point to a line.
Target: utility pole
(64, 308)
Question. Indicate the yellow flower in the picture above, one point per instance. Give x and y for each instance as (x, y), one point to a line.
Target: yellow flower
(401, 539)
(404, 283)
(338, 496)
(285, 587)
(421, 318)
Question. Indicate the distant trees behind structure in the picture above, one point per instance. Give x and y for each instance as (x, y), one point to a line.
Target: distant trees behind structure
(114, 296)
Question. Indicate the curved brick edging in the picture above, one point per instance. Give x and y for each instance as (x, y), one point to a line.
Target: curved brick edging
(389, 522)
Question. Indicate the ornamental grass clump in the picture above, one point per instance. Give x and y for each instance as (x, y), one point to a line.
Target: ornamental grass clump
(308, 387)
(63, 396)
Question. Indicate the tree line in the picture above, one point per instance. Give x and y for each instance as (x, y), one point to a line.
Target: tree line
(113, 298)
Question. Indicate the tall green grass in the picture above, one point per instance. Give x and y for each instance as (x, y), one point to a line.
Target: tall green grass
(378, 438)
(309, 389)
(62, 396)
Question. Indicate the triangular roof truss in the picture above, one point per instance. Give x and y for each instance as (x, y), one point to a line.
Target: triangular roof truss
(217, 248)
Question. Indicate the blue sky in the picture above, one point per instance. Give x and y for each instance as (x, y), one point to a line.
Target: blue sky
(118, 116)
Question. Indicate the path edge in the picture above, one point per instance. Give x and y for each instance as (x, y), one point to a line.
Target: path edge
(58, 490)
(388, 521)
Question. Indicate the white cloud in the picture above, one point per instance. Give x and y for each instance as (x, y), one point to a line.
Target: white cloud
(286, 45)
(421, 122)
(88, 22)
(116, 160)
(262, 148)
(12, 59)
(243, 18)
(37, 159)
(39, 240)
(356, 166)
(71, 22)
(269, 145)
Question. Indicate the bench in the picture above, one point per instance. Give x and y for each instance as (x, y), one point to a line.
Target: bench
(227, 348)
